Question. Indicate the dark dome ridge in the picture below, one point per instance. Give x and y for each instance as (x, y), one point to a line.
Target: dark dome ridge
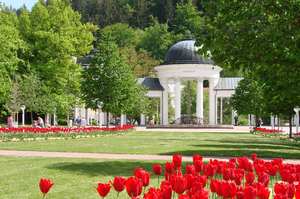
(183, 53)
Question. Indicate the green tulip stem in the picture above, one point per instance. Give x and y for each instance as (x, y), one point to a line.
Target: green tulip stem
(158, 181)
(118, 195)
(44, 195)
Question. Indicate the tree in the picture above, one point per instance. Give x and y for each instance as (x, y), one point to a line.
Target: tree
(109, 79)
(123, 34)
(248, 97)
(10, 43)
(142, 65)
(157, 40)
(53, 35)
(261, 36)
(187, 18)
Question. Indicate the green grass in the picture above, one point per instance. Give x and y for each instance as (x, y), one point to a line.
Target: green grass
(169, 143)
(73, 178)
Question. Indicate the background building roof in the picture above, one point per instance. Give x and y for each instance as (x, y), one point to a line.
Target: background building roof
(228, 83)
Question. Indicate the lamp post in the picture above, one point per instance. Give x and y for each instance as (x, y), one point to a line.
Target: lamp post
(100, 105)
(23, 107)
(54, 115)
(297, 109)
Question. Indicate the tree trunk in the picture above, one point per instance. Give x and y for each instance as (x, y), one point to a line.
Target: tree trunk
(31, 117)
(291, 132)
(107, 118)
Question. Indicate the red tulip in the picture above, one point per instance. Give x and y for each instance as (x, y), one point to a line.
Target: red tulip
(227, 174)
(103, 189)
(273, 170)
(146, 179)
(134, 186)
(280, 196)
(297, 194)
(291, 190)
(250, 167)
(250, 193)
(184, 196)
(291, 178)
(210, 170)
(204, 194)
(219, 189)
(169, 167)
(157, 169)
(189, 181)
(263, 177)
(253, 157)
(198, 164)
(263, 193)
(119, 183)
(177, 160)
(152, 194)
(197, 157)
(238, 179)
(166, 191)
(180, 185)
(201, 179)
(281, 188)
(189, 169)
(214, 185)
(232, 160)
(228, 189)
(45, 185)
(250, 178)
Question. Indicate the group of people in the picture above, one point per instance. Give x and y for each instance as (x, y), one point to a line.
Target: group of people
(80, 122)
(36, 123)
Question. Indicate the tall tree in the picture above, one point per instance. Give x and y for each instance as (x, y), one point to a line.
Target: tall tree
(262, 36)
(53, 34)
(109, 79)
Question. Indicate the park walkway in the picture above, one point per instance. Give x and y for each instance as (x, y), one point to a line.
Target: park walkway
(239, 129)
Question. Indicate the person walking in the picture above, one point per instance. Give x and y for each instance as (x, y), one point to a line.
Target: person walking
(235, 120)
(9, 121)
(83, 122)
(259, 122)
(41, 122)
(78, 122)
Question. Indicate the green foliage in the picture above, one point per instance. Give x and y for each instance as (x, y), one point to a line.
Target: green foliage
(10, 43)
(110, 80)
(157, 40)
(123, 34)
(142, 65)
(187, 18)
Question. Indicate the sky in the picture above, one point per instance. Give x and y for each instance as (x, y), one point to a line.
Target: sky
(19, 3)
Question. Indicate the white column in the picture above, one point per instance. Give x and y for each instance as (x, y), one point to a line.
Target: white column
(253, 120)
(199, 103)
(122, 119)
(249, 119)
(164, 83)
(143, 121)
(177, 98)
(221, 111)
(211, 101)
(87, 116)
(76, 112)
(161, 108)
(232, 116)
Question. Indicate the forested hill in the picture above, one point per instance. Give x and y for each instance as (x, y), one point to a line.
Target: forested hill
(136, 13)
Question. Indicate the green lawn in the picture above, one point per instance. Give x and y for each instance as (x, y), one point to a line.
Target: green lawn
(169, 143)
(73, 178)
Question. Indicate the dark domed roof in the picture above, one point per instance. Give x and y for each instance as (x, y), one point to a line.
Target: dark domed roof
(183, 53)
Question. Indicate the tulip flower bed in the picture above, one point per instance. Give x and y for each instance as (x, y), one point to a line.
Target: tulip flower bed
(33, 134)
(238, 178)
(268, 132)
